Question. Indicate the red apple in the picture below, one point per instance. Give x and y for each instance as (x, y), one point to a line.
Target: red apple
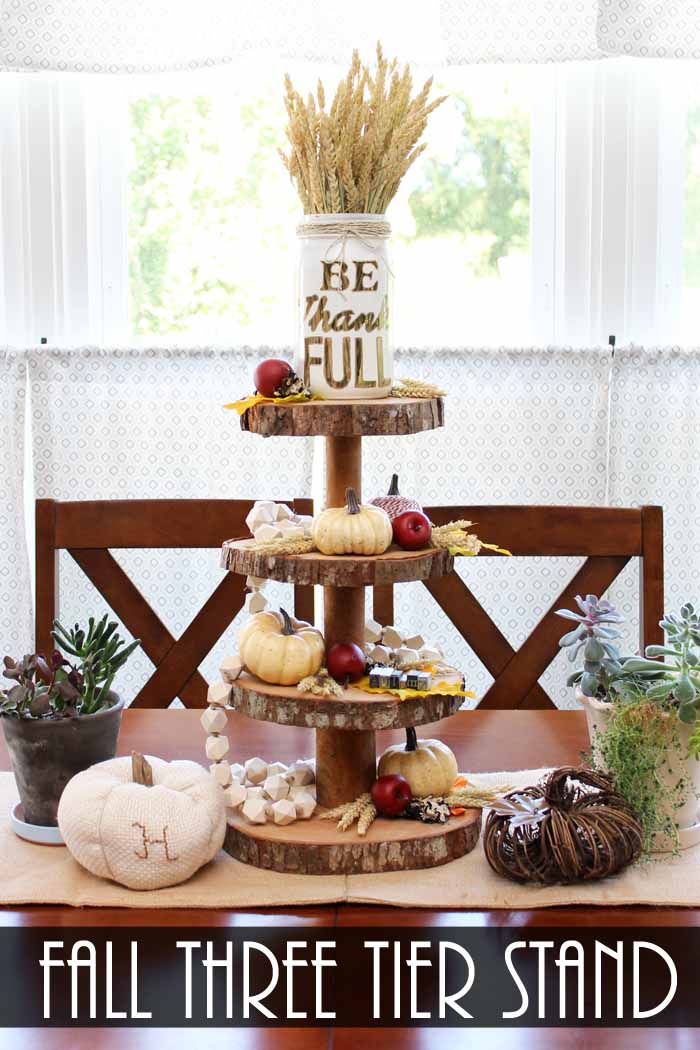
(345, 661)
(391, 794)
(269, 374)
(412, 530)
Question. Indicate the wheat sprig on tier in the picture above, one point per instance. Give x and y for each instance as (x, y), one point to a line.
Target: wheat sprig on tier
(476, 797)
(362, 811)
(416, 388)
(283, 545)
(352, 155)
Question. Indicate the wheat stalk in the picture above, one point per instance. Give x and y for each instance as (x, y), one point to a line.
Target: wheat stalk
(352, 156)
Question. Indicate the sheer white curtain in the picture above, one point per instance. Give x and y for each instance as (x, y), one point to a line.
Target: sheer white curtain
(649, 28)
(530, 425)
(155, 35)
(164, 35)
(525, 425)
(150, 424)
(15, 585)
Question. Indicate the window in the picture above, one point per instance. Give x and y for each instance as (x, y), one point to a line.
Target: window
(212, 213)
(690, 316)
(555, 204)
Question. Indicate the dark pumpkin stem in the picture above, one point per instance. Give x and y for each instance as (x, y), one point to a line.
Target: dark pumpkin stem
(352, 501)
(411, 739)
(394, 487)
(287, 626)
(141, 770)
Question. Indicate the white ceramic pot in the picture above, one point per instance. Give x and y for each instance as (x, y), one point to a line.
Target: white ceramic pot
(344, 347)
(681, 766)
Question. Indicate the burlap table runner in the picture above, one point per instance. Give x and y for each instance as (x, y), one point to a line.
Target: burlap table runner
(32, 874)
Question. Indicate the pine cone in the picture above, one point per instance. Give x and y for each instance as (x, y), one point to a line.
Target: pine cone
(291, 384)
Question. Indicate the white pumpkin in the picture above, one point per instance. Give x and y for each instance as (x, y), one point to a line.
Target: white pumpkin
(279, 649)
(353, 529)
(428, 765)
(143, 837)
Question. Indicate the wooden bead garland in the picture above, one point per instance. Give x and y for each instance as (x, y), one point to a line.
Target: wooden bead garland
(581, 828)
(269, 799)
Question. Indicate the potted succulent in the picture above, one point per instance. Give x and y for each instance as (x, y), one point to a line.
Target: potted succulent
(59, 716)
(643, 715)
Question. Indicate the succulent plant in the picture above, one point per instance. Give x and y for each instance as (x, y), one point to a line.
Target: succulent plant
(53, 687)
(676, 676)
(594, 640)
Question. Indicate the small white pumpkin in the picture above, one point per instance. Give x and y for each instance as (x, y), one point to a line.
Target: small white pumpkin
(353, 529)
(144, 836)
(279, 649)
(428, 765)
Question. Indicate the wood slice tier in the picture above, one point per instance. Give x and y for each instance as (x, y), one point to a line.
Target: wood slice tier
(316, 847)
(339, 570)
(387, 415)
(284, 705)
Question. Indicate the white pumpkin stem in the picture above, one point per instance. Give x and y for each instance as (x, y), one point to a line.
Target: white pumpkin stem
(287, 626)
(394, 487)
(411, 739)
(352, 501)
(141, 770)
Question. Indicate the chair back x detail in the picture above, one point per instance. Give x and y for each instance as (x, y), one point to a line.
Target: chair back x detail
(607, 537)
(89, 531)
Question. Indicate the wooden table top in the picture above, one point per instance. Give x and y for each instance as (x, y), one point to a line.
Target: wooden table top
(482, 741)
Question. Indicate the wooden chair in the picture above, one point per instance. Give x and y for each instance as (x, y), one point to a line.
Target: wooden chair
(88, 530)
(608, 537)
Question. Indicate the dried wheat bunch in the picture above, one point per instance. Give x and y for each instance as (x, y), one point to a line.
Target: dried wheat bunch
(320, 684)
(455, 537)
(351, 156)
(362, 811)
(476, 797)
(283, 545)
(416, 388)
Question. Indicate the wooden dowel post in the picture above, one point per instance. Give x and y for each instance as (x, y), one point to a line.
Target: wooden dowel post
(346, 765)
(345, 759)
(343, 468)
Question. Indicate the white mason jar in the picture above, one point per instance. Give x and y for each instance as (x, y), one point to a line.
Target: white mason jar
(344, 345)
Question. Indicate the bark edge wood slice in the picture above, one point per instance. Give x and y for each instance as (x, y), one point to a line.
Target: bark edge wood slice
(388, 415)
(316, 847)
(284, 705)
(341, 570)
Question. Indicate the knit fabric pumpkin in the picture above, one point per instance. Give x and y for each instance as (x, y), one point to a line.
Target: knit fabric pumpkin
(393, 503)
(144, 837)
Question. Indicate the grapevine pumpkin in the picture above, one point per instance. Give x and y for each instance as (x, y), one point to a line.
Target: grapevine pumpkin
(428, 765)
(353, 529)
(279, 649)
(394, 503)
(143, 823)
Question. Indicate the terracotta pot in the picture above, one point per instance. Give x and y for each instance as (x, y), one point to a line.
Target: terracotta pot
(681, 766)
(46, 753)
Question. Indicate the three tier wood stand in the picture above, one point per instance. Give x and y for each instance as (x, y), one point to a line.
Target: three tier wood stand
(346, 754)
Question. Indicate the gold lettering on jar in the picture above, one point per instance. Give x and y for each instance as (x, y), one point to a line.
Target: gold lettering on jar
(381, 378)
(317, 316)
(360, 380)
(337, 384)
(362, 275)
(343, 321)
(335, 269)
(309, 341)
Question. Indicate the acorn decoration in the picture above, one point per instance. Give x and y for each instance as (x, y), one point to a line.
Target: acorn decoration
(393, 503)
